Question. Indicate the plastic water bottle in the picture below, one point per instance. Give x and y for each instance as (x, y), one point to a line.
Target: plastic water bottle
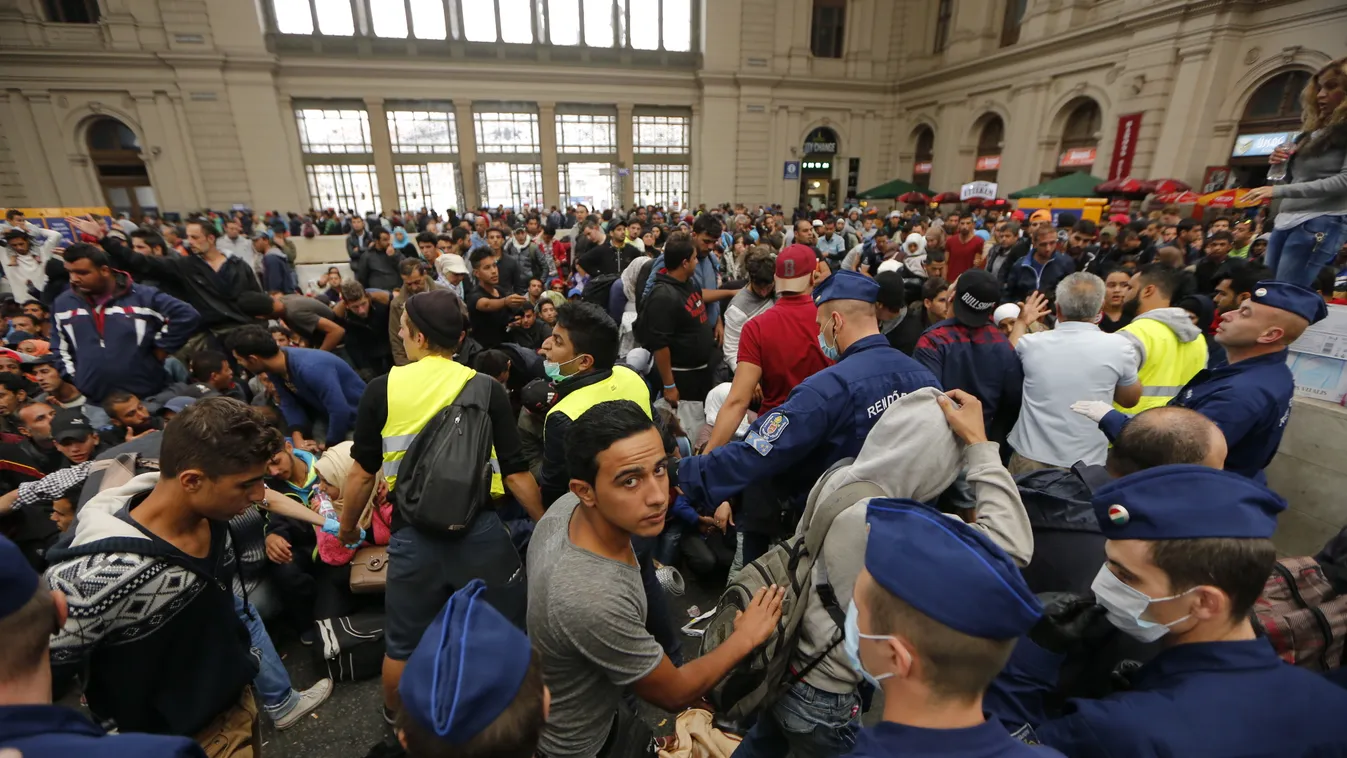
(1276, 173)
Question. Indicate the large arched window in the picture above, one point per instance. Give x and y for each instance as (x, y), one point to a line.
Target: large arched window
(990, 139)
(115, 153)
(1080, 137)
(1271, 117)
(925, 154)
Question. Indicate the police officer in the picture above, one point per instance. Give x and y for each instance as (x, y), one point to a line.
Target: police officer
(29, 614)
(1249, 399)
(1189, 550)
(826, 417)
(474, 685)
(579, 358)
(933, 618)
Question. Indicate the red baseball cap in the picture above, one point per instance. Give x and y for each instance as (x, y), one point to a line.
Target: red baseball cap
(795, 261)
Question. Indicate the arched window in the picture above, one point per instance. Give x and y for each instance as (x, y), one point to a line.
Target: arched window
(1271, 117)
(990, 140)
(1080, 138)
(115, 152)
(1275, 106)
(922, 160)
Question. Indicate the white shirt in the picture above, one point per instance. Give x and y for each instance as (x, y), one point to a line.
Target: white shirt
(1075, 361)
(240, 247)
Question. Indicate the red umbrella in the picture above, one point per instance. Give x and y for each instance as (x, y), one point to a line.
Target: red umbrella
(1125, 186)
(914, 198)
(975, 202)
(1167, 186)
(946, 197)
(996, 204)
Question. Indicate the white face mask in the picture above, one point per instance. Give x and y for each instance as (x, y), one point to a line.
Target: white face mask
(1126, 604)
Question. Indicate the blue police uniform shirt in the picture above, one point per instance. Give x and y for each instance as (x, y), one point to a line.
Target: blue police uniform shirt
(1250, 401)
(1198, 699)
(53, 731)
(986, 740)
(824, 419)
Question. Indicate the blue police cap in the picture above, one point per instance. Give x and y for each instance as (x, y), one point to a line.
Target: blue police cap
(947, 570)
(1302, 301)
(1185, 502)
(18, 580)
(467, 668)
(846, 285)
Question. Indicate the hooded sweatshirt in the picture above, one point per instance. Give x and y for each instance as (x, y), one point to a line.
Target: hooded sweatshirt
(155, 627)
(910, 453)
(1167, 357)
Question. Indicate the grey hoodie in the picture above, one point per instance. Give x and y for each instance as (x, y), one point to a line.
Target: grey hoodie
(910, 453)
(1176, 319)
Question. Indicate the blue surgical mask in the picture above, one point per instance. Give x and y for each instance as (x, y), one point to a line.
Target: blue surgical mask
(1125, 605)
(851, 642)
(553, 369)
(829, 351)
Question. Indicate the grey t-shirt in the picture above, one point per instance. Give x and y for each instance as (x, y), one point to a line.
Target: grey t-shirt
(302, 314)
(587, 618)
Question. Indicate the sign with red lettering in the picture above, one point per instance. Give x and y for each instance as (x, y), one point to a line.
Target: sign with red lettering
(988, 163)
(1077, 156)
(922, 168)
(1124, 145)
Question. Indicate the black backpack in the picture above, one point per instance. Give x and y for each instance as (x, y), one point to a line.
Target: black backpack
(445, 477)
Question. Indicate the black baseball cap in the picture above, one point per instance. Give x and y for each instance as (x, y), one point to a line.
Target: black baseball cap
(975, 297)
(70, 423)
(538, 396)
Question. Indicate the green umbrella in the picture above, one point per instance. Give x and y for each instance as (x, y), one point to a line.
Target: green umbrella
(890, 190)
(1079, 184)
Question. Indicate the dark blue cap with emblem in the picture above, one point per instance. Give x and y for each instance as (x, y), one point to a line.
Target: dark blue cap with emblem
(846, 285)
(1185, 501)
(947, 570)
(18, 580)
(1302, 301)
(467, 669)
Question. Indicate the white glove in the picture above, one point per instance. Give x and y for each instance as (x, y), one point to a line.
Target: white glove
(1094, 410)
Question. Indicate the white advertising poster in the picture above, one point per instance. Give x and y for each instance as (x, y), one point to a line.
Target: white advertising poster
(984, 190)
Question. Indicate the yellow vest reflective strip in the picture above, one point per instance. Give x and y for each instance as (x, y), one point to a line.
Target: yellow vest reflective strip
(1169, 363)
(624, 384)
(416, 392)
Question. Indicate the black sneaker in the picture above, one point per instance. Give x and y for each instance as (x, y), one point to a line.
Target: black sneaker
(390, 717)
(308, 637)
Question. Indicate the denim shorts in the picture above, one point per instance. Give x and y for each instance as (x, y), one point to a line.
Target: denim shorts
(425, 569)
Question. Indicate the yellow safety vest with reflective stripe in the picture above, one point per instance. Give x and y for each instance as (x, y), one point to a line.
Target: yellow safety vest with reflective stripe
(624, 384)
(1169, 363)
(416, 392)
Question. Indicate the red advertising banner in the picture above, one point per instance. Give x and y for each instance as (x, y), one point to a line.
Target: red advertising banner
(987, 163)
(1077, 157)
(922, 168)
(1124, 145)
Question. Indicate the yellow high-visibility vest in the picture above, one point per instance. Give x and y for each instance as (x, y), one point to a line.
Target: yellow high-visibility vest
(416, 392)
(1169, 363)
(624, 384)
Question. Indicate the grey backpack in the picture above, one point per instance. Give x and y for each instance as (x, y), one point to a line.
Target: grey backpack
(765, 674)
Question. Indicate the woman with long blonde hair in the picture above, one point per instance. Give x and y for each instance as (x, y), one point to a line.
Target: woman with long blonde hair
(1311, 223)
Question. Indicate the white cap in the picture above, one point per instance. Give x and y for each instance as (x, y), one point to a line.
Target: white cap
(895, 214)
(453, 264)
(1005, 311)
(817, 222)
(889, 265)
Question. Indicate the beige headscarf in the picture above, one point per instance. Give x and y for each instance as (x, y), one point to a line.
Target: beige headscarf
(333, 466)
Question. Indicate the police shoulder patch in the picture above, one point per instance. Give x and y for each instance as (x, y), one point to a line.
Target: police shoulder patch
(772, 426)
(759, 444)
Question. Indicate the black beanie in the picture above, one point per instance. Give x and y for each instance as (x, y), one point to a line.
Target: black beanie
(438, 314)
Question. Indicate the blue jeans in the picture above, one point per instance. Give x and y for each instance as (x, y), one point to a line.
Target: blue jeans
(272, 680)
(1297, 254)
(806, 723)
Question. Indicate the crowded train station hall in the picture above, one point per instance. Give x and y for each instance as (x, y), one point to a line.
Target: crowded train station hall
(677, 378)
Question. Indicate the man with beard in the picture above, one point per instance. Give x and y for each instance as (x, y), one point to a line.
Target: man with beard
(130, 418)
(1214, 265)
(1009, 248)
(113, 333)
(1080, 245)
(1170, 349)
(1238, 285)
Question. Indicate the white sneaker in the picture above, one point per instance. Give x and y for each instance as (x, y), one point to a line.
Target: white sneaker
(308, 700)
